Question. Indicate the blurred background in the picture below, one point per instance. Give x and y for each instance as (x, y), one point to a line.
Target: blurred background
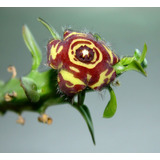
(136, 124)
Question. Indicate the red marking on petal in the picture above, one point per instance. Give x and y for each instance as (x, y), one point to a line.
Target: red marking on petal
(97, 54)
(59, 45)
(95, 72)
(69, 83)
(69, 91)
(53, 62)
(106, 81)
(106, 56)
(66, 33)
(50, 44)
(79, 42)
(104, 84)
(75, 59)
(115, 58)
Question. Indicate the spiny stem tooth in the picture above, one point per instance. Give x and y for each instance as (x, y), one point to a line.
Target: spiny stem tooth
(20, 120)
(9, 96)
(12, 69)
(116, 83)
(13, 94)
(49, 121)
(44, 118)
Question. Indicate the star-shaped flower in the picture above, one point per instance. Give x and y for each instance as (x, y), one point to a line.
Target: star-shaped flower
(82, 62)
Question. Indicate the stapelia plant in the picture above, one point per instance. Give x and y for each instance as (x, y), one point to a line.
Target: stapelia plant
(80, 63)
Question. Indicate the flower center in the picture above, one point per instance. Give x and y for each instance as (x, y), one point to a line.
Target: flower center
(84, 54)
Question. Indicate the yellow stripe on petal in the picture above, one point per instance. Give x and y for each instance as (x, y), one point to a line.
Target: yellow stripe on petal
(55, 67)
(110, 53)
(74, 69)
(102, 77)
(67, 76)
(51, 65)
(69, 86)
(79, 63)
(88, 77)
(60, 49)
(53, 51)
(116, 57)
(58, 79)
(75, 33)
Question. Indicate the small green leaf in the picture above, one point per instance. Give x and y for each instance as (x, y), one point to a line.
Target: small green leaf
(138, 62)
(30, 89)
(137, 54)
(50, 28)
(97, 37)
(140, 57)
(143, 55)
(111, 106)
(84, 111)
(144, 63)
(126, 60)
(134, 65)
(32, 46)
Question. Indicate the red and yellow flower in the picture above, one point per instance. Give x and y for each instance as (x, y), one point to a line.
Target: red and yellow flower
(81, 62)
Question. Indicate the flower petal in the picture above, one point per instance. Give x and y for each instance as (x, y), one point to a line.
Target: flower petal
(102, 75)
(82, 61)
(54, 53)
(69, 84)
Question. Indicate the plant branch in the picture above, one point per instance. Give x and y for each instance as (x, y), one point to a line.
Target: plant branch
(38, 90)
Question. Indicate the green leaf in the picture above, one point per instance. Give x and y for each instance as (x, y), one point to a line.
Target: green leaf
(32, 46)
(97, 37)
(138, 62)
(84, 111)
(137, 54)
(53, 32)
(144, 63)
(111, 106)
(126, 60)
(30, 89)
(143, 55)
(140, 57)
(134, 65)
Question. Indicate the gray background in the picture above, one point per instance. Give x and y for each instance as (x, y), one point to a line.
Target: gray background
(135, 126)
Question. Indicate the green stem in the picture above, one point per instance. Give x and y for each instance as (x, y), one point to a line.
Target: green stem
(137, 63)
(81, 97)
(47, 89)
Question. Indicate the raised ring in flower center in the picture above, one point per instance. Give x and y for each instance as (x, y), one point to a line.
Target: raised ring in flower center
(84, 54)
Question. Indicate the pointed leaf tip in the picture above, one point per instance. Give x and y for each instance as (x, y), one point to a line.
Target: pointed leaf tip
(135, 65)
(143, 55)
(53, 32)
(84, 111)
(97, 37)
(32, 46)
